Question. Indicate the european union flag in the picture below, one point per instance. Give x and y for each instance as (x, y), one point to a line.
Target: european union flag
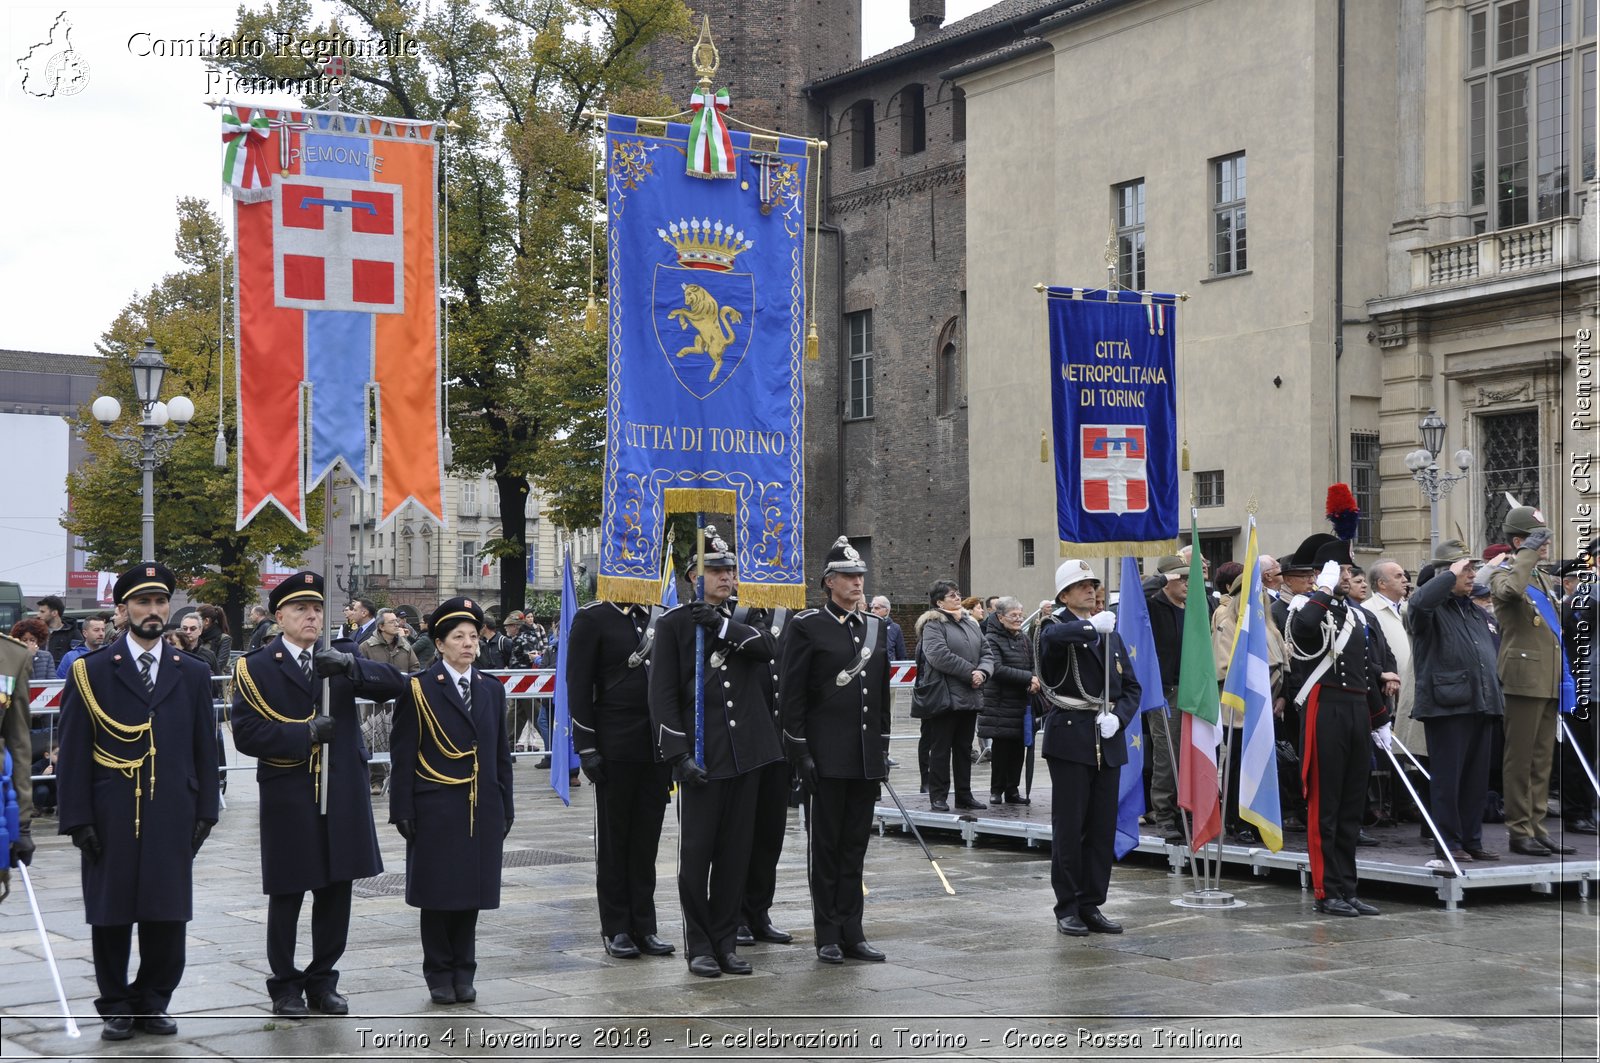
(561, 731)
(1133, 625)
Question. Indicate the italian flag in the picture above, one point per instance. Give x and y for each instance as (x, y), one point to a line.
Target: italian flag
(1198, 791)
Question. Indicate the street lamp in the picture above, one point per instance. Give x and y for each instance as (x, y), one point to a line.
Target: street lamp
(152, 443)
(1424, 465)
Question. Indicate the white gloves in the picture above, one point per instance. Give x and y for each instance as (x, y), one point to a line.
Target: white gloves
(1104, 622)
(1108, 723)
(1328, 578)
(1383, 737)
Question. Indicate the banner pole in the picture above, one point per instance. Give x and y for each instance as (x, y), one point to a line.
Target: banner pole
(327, 641)
(700, 642)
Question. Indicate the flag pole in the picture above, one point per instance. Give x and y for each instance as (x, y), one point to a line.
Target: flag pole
(700, 643)
(327, 643)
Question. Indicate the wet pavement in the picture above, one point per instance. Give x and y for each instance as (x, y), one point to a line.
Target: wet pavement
(979, 975)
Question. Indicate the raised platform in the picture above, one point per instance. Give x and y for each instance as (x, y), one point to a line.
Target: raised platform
(1400, 857)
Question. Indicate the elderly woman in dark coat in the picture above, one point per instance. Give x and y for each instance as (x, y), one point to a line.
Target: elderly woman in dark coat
(951, 649)
(450, 798)
(1005, 700)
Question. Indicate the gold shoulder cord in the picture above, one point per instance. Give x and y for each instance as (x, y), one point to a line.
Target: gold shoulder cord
(122, 732)
(246, 685)
(442, 743)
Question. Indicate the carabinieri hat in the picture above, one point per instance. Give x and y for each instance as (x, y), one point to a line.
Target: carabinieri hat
(844, 560)
(452, 612)
(147, 577)
(1304, 557)
(303, 586)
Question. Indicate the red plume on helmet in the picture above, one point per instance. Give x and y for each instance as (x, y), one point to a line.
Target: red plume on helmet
(1343, 513)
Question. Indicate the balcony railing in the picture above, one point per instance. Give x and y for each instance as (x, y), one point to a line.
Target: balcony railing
(1525, 249)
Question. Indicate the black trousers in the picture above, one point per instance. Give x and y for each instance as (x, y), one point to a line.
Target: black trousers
(839, 822)
(773, 786)
(1458, 756)
(950, 753)
(1338, 741)
(1083, 825)
(161, 960)
(330, 928)
(1577, 792)
(449, 947)
(1005, 764)
(628, 809)
(718, 822)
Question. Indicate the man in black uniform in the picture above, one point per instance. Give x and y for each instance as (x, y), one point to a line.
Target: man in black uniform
(774, 791)
(1337, 675)
(277, 693)
(719, 795)
(608, 693)
(835, 709)
(1081, 746)
(133, 713)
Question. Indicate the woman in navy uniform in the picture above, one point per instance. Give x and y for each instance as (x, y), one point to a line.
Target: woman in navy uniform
(451, 798)
(138, 793)
(1083, 746)
(837, 737)
(277, 718)
(719, 797)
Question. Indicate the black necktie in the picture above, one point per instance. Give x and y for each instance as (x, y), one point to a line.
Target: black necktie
(305, 666)
(466, 693)
(146, 661)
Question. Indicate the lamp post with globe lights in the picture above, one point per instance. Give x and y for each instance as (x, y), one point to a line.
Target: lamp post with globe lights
(1424, 465)
(152, 443)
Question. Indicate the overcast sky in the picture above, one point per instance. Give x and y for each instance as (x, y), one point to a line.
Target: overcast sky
(92, 177)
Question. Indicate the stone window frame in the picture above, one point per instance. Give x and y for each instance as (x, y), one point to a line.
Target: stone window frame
(1365, 481)
(1128, 218)
(1210, 488)
(1229, 175)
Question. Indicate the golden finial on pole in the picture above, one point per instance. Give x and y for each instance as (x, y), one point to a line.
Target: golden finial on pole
(704, 56)
(1252, 507)
(1044, 448)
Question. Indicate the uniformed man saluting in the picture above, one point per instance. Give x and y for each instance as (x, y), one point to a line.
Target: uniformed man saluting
(277, 694)
(719, 798)
(138, 816)
(835, 711)
(1081, 746)
(608, 667)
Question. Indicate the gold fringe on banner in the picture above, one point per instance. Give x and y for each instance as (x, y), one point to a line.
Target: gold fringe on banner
(623, 589)
(1153, 548)
(773, 595)
(700, 500)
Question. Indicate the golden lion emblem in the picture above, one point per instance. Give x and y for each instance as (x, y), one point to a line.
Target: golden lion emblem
(713, 325)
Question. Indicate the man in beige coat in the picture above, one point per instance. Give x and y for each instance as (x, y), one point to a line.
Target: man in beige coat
(1388, 581)
(1530, 673)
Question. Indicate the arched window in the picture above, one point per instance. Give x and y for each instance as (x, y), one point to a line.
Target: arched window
(913, 121)
(958, 114)
(950, 387)
(863, 135)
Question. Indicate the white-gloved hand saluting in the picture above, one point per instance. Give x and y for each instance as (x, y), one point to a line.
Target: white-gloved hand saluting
(1328, 578)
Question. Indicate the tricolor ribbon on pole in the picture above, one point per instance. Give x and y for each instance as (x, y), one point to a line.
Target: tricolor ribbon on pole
(244, 152)
(710, 151)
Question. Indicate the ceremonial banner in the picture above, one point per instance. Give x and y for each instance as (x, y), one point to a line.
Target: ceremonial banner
(1198, 786)
(335, 295)
(1248, 691)
(561, 752)
(1114, 410)
(1133, 625)
(705, 409)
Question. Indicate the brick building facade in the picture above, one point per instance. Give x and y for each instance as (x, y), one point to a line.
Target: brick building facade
(886, 410)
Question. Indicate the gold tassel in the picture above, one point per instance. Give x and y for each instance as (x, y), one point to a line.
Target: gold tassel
(591, 315)
(813, 344)
(1185, 458)
(1044, 448)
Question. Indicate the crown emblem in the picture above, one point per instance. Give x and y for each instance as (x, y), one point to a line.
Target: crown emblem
(701, 243)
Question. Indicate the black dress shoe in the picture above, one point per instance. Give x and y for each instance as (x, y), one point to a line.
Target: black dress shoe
(466, 994)
(1014, 798)
(117, 1028)
(772, 934)
(862, 951)
(1361, 906)
(290, 1007)
(1529, 847)
(1483, 854)
(1072, 926)
(442, 994)
(621, 947)
(160, 1024)
(1582, 826)
(1363, 838)
(651, 945)
(1099, 924)
(742, 936)
(1555, 846)
(331, 1003)
(705, 966)
(732, 964)
(969, 802)
(939, 806)
(830, 954)
(1335, 906)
